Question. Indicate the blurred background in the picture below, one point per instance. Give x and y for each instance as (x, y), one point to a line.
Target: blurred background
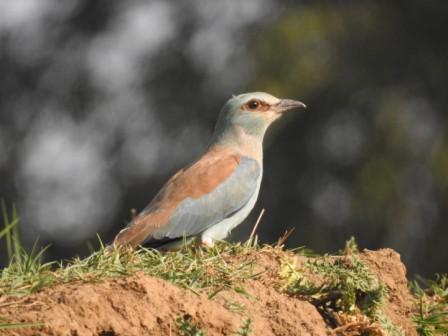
(102, 100)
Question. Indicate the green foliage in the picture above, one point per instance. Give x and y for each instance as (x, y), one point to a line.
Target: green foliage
(351, 247)
(10, 232)
(339, 284)
(18, 325)
(187, 327)
(387, 326)
(25, 271)
(432, 306)
(245, 329)
(21, 264)
(195, 269)
(305, 252)
(345, 283)
(235, 307)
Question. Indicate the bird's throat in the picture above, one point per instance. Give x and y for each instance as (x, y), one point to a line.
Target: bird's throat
(235, 136)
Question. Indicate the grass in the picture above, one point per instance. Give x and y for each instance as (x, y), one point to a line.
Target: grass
(245, 329)
(343, 289)
(21, 263)
(344, 283)
(432, 306)
(187, 327)
(11, 232)
(195, 269)
(199, 270)
(18, 325)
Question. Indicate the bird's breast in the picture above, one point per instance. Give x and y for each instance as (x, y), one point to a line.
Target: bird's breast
(244, 212)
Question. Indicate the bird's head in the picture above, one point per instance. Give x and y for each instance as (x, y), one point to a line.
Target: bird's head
(253, 112)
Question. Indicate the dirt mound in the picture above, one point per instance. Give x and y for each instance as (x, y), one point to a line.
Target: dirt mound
(145, 305)
(387, 266)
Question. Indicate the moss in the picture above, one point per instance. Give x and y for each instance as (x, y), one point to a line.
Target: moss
(341, 287)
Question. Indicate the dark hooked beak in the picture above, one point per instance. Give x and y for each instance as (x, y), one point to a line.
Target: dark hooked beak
(288, 104)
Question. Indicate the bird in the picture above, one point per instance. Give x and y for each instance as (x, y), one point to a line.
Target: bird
(204, 201)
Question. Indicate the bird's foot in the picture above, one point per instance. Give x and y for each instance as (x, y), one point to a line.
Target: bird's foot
(207, 242)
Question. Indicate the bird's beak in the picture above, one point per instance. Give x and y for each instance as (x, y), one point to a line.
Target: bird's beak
(288, 104)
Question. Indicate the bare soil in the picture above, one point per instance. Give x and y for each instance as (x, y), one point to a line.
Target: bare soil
(144, 305)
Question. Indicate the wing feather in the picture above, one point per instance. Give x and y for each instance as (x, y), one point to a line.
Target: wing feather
(196, 198)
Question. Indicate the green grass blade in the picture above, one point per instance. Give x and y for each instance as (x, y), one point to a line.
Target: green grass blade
(8, 235)
(17, 247)
(19, 325)
(5, 231)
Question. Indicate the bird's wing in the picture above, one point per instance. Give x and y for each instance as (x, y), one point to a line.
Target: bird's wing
(196, 198)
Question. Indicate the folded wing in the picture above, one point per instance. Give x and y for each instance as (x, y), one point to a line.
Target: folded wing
(196, 198)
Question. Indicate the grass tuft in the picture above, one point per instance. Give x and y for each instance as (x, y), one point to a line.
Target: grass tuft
(25, 272)
(10, 232)
(196, 269)
(431, 318)
(351, 247)
(344, 291)
(21, 264)
(345, 283)
(187, 327)
(245, 329)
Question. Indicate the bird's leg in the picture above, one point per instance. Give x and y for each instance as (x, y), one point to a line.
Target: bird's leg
(207, 241)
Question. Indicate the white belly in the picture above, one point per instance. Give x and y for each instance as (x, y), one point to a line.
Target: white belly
(221, 230)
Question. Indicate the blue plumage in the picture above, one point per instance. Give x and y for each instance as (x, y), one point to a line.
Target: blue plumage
(194, 216)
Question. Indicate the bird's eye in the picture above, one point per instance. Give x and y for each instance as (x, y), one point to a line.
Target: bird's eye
(253, 104)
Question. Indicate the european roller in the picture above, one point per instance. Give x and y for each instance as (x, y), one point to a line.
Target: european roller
(207, 199)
